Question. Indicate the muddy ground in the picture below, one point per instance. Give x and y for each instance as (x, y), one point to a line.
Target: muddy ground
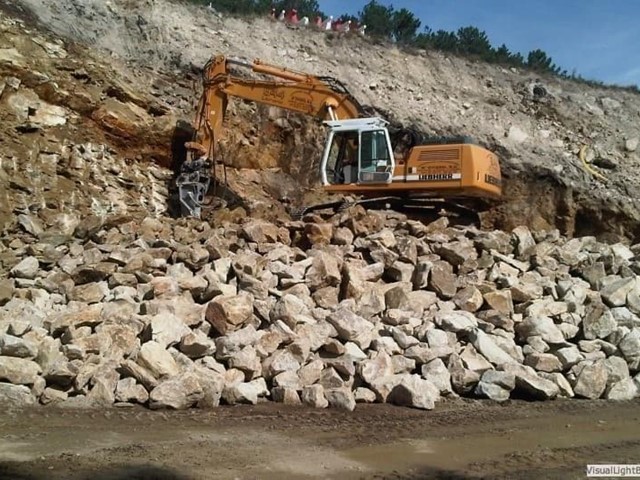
(460, 439)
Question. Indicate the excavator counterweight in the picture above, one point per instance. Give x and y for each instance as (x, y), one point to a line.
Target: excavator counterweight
(358, 157)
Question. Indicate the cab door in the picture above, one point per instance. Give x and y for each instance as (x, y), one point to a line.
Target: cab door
(375, 162)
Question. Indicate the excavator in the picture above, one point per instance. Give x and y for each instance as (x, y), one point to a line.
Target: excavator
(358, 157)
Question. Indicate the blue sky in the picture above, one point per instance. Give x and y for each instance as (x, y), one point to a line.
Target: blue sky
(600, 39)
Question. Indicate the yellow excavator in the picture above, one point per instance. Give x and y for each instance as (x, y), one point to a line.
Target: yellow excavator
(358, 157)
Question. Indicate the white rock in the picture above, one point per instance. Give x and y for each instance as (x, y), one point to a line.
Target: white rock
(245, 392)
(364, 395)
(27, 268)
(458, 321)
(630, 348)
(15, 395)
(313, 396)
(128, 390)
(569, 356)
(592, 380)
(491, 391)
(341, 398)
(413, 391)
(11, 346)
(487, 347)
(437, 373)
(542, 327)
(157, 360)
(352, 327)
(19, 371)
(177, 393)
(167, 329)
(623, 390)
(516, 135)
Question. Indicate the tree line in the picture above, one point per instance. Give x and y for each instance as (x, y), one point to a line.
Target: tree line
(403, 27)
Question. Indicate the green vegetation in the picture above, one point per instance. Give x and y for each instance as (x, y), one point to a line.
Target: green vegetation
(402, 27)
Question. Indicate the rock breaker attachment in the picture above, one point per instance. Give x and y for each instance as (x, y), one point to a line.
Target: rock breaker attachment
(193, 184)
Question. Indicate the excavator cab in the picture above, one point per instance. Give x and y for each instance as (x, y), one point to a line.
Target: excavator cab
(358, 151)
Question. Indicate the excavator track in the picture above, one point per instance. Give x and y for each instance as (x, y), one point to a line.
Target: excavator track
(461, 211)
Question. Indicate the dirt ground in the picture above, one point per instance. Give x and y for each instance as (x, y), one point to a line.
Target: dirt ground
(460, 439)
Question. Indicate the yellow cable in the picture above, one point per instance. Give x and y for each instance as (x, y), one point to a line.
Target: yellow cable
(587, 167)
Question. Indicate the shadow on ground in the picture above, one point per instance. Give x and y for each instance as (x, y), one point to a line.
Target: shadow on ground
(16, 471)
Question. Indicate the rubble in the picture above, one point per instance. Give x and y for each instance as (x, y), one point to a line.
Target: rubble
(421, 343)
(105, 299)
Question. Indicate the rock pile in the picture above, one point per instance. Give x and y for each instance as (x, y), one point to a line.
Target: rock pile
(359, 307)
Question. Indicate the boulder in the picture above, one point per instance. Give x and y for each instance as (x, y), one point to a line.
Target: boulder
(469, 299)
(623, 390)
(157, 360)
(542, 327)
(351, 327)
(167, 329)
(617, 370)
(591, 382)
(15, 395)
(212, 383)
(488, 348)
(463, 380)
(456, 321)
(177, 393)
(378, 366)
(614, 290)
(89, 293)
(314, 396)
(442, 280)
(6, 291)
(414, 391)
(11, 346)
(569, 356)
(523, 241)
(319, 233)
(259, 231)
(196, 344)
(286, 395)
(495, 385)
(341, 398)
(630, 348)
(544, 362)
(227, 313)
(245, 392)
(458, 252)
(598, 322)
(128, 390)
(436, 372)
(27, 268)
(19, 371)
(500, 300)
(364, 395)
(529, 384)
(323, 272)
(247, 361)
(52, 396)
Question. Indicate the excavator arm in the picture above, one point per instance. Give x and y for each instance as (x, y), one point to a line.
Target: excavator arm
(325, 98)
(322, 97)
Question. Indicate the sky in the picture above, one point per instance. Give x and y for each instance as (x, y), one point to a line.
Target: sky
(599, 39)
